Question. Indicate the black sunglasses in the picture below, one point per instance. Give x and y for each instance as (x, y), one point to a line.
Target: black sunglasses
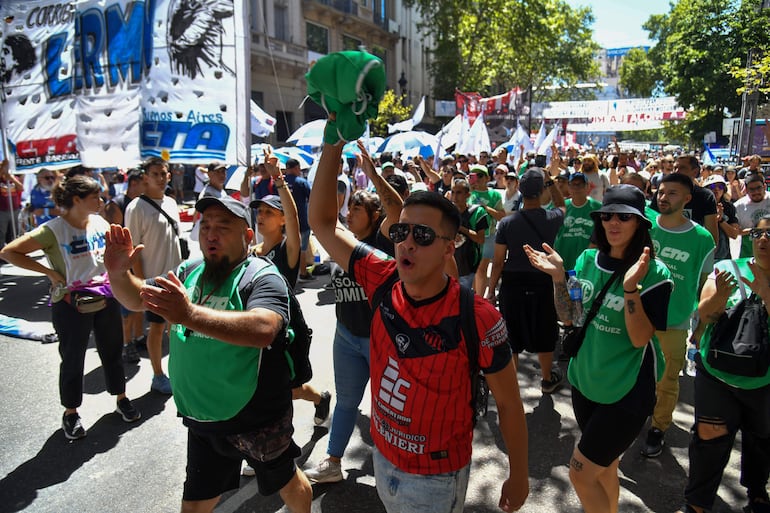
(422, 235)
(757, 233)
(623, 216)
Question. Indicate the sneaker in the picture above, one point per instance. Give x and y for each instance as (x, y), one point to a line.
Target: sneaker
(653, 446)
(130, 354)
(306, 277)
(161, 384)
(248, 471)
(549, 387)
(327, 471)
(72, 427)
(322, 408)
(140, 342)
(127, 410)
(50, 338)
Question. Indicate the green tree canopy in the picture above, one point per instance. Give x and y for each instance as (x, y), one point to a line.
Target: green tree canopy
(639, 77)
(697, 42)
(489, 46)
(391, 110)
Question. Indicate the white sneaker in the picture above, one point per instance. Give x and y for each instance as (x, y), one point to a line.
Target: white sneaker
(248, 471)
(327, 471)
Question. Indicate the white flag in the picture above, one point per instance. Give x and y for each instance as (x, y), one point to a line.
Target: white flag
(262, 123)
(540, 135)
(409, 124)
(545, 146)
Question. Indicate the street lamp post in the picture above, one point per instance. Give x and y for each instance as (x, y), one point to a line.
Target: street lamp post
(402, 83)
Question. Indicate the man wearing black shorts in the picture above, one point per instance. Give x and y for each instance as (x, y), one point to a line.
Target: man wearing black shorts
(526, 294)
(233, 395)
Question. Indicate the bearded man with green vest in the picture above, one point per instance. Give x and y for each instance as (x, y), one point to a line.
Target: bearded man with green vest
(233, 395)
(687, 249)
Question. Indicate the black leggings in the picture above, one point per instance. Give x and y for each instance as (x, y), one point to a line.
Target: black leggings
(74, 329)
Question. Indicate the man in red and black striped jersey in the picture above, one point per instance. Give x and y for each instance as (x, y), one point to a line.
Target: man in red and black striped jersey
(422, 421)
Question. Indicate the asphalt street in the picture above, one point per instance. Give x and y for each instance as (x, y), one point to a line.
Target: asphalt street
(139, 467)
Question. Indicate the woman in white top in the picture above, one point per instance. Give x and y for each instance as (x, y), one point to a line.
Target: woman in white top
(81, 296)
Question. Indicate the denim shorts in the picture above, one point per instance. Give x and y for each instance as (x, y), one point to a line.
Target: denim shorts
(304, 240)
(402, 492)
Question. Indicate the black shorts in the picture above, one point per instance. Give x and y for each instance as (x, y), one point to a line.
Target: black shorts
(214, 467)
(526, 303)
(717, 402)
(153, 317)
(609, 429)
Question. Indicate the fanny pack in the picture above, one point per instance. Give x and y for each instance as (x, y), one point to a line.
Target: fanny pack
(87, 302)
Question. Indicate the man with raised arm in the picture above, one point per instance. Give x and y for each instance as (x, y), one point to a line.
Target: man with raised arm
(422, 420)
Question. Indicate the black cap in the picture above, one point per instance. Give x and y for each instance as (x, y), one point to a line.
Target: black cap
(532, 183)
(234, 206)
(270, 200)
(217, 165)
(623, 199)
(577, 176)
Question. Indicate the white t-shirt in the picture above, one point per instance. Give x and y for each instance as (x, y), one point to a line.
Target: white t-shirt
(344, 179)
(749, 212)
(151, 228)
(201, 177)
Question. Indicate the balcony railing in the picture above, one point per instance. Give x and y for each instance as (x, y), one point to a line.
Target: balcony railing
(346, 6)
(279, 46)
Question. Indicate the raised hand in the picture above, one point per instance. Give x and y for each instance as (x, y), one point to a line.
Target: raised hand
(365, 160)
(547, 261)
(759, 285)
(169, 299)
(271, 162)
(120, 253)
(637, 271)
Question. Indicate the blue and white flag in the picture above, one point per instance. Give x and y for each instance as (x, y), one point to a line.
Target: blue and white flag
(707, 158)
(540, 135)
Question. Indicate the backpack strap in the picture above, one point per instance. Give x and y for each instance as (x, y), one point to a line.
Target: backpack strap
(472, 342)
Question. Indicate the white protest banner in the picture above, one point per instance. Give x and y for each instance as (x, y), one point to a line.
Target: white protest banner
(109, 82)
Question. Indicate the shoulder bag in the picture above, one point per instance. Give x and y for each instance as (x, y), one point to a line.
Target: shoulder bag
(184, 248)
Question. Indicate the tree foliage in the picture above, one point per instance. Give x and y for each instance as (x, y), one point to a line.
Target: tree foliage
(697, 42)
(639, 77)
(391, 110)
(753, 78)
(490, 46)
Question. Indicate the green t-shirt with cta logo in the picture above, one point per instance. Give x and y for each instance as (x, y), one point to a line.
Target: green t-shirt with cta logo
(575, 234)
(688, 252)
(607, 365)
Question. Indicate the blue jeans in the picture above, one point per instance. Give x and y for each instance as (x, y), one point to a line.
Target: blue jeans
(351, 374)
(402, 492)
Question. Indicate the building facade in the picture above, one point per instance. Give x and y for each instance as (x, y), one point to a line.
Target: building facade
(287, 36)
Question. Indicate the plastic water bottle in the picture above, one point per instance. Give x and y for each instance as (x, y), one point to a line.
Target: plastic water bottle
(576, 296)
(691, 352)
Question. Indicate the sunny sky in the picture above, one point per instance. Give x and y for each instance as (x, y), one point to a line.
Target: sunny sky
(619, 23)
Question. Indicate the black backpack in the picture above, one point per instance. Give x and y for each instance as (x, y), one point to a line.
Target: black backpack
(739, 340)
(298, 334)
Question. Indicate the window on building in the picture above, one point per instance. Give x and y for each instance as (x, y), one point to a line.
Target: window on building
(350, 43)
(283, 125)
(281, 17)
(317, 38)
(380, 52)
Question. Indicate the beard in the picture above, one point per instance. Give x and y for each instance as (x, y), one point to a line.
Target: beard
(216, 272)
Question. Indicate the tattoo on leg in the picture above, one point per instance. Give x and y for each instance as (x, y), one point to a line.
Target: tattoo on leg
(631, 304)
(577, 465)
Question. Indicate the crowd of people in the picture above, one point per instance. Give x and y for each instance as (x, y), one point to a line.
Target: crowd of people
(417, 247)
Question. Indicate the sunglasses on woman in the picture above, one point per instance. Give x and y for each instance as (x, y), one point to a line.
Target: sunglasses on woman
(422, 235)
(715, 187)
(757, 233)
(623, 216)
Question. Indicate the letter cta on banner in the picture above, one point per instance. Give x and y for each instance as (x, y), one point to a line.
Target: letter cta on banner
(196, 100)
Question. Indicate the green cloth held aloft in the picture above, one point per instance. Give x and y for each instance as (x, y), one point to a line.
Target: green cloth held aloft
(350, 84)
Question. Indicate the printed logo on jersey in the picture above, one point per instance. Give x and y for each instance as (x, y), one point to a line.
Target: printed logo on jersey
(402, 341)
(757, 215)
(393, 387)
(588, 290)
(413, 443)
(673, 254)
(656, 246)
(496, 335)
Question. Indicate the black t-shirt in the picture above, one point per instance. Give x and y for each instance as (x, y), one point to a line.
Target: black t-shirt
(533, 227)
(723, 248)
(281, 260)
(441, 187)
(701, 205)
(351, 304)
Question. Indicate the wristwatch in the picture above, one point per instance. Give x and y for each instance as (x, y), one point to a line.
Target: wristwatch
(548, 183)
